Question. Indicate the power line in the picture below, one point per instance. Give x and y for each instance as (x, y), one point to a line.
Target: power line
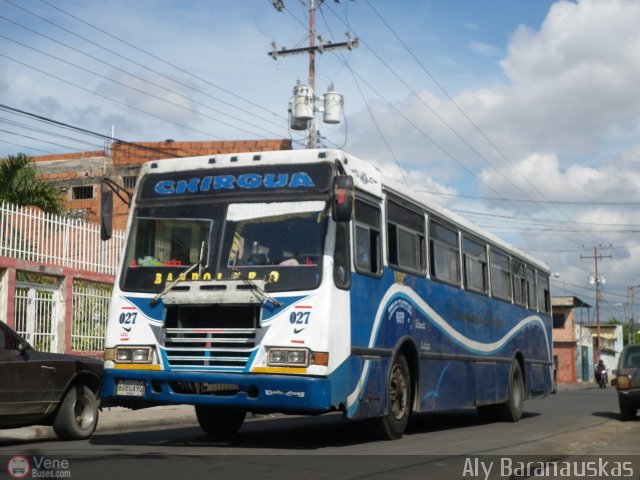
(155, 57)
(26, 147)
(45, 132)
(420, 130)
(146, 68)
(92, 92)
(475, 126)
(454, 103)
(143, 92)
(37, 139)
(522, 200)
(83, 130)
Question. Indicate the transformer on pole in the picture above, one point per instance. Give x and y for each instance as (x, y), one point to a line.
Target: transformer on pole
(302, 109)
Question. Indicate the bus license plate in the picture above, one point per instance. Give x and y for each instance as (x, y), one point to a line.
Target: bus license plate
(130, 388)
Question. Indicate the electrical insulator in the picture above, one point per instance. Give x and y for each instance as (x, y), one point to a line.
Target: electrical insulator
(295, 123)
(303, 98)
(332, 107)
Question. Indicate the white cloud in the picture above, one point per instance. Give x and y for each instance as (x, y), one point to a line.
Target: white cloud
(577, 182)
(567, 119)
(572, 87)
(572, 80)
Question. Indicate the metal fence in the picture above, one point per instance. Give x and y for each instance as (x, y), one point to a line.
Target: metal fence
(90, 309)
(30, 234)
(35, 315)
(40, 307)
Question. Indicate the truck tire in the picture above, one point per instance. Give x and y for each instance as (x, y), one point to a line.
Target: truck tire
(511, 410)
(392, 425)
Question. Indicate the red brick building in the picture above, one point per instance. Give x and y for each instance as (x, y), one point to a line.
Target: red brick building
(79, 175)
(565, 341)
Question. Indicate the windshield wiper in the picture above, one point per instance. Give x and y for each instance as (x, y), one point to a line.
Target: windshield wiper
(262, 295)
(168, 288)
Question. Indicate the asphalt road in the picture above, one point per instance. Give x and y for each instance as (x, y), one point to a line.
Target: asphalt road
(579, 423)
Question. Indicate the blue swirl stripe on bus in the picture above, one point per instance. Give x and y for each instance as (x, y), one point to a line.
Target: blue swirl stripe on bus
(469, 344)
(473, 346)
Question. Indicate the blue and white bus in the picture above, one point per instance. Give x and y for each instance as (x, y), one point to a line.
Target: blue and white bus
(306, 282)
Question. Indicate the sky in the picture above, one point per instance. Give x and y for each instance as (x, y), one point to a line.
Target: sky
(523, 116)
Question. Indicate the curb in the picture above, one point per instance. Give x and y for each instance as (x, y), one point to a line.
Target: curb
(115, 419)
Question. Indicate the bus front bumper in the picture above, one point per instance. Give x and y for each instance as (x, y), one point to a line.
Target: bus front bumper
(255, 392)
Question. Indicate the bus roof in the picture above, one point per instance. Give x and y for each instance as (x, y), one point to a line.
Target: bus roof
(367, 178)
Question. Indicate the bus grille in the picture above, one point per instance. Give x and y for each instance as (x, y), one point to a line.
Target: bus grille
(225, 349)
(210, 337)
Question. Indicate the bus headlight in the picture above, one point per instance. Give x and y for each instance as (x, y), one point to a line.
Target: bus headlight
(129, 354)
(295, 357)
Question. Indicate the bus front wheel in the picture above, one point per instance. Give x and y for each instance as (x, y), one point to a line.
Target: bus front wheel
(392, 425)
(220, 421)
(511, 411)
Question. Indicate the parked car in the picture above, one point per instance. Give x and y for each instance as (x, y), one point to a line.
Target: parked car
(628, 381)
(41, 388)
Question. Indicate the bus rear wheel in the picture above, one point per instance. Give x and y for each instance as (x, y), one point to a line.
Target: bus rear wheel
(511, 410)
(392, 425)
(220, 421)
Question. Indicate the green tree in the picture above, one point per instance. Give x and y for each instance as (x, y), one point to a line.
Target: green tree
(625, 330)
(19, 184)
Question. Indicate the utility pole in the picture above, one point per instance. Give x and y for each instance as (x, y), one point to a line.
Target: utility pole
(313, 133)
(597, 280)
(321, 47)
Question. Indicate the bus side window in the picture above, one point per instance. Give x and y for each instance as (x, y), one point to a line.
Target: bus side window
(500, 272)
(445, 253)
(474, 255)
(367, 239)
(519, 283)
(532, 301)
(405, 238)
(544, 299)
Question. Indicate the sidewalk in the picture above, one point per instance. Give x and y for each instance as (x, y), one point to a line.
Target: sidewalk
(579, 385)
(114, 419)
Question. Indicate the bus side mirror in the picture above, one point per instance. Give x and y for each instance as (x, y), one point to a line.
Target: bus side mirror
(343, 198)
(106, 215)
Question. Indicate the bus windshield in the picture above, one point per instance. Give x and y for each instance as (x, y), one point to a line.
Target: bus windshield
(282, 237)
(168, 242)
(278, 241)
(284, 234)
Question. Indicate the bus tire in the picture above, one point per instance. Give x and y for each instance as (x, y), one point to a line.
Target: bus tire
(77, 415)
(511, 410)
(220, 421)
(392, 425)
